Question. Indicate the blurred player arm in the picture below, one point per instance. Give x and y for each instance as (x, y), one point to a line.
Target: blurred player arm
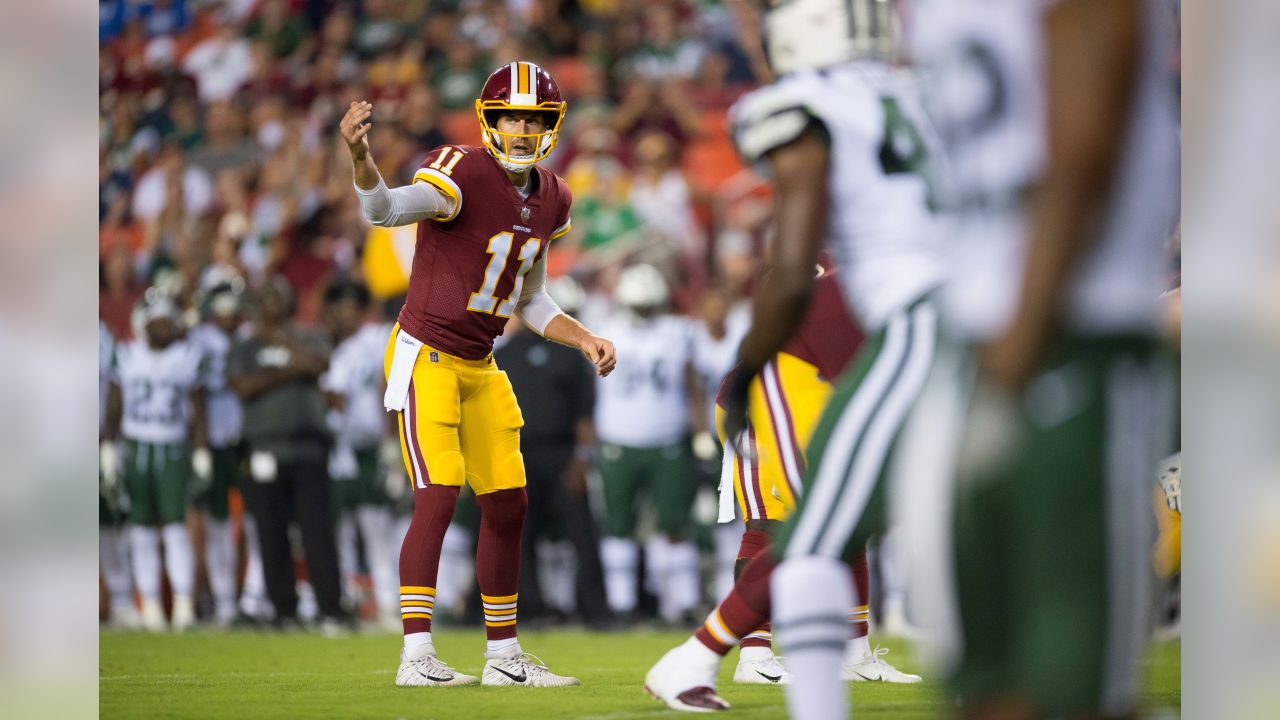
(114, 412)
(799, 169)
(1092, 66)
(381, 205)
(199, 425)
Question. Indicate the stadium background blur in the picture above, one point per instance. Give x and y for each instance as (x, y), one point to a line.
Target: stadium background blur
(219, 155)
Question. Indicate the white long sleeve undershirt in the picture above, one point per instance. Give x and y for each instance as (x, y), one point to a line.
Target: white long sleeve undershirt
(406, 205)
(535, 306)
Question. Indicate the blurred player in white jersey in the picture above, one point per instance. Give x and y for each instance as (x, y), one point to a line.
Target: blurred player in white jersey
(223, 309)
(113, 540)
(1059, 121)
(156, 402)
(841, 136)
(354, 386)
(645, 416)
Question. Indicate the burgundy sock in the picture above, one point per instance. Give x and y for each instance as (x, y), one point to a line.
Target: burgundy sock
(753, 543)
(744, 609)
(498, 559)
(420, 554)
(861, 591)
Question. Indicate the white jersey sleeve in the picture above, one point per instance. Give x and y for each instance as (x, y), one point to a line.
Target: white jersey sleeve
(769, 118)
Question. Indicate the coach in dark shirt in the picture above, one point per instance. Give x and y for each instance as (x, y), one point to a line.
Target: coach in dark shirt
(556, 388)
(275, 372)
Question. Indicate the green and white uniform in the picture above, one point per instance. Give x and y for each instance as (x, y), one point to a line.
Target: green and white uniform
(642, 420)
(226, 418)
(156, 386)
(884, 240)
(1052, 516)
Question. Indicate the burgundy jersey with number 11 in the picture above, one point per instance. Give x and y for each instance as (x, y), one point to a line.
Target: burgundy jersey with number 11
(469, 268)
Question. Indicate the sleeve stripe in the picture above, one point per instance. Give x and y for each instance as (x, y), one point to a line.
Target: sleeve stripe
(446, 186)
(560, 231)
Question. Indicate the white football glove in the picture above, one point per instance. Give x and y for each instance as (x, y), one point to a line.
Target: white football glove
(108, 466)
(393, 468)
(705, 446)
(201, 471)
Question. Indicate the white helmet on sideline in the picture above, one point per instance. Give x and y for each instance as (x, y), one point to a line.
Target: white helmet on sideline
(641, 286)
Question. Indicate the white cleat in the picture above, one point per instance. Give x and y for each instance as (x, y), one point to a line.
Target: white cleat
(124, 616)
(873, 669)
(683, 681)
(523, 670)
(894, 624)
(153, 619)
(429, 671)
(768, 671)
(184, 613)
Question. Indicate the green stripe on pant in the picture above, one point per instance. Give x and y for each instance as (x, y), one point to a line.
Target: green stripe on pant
(843, 502)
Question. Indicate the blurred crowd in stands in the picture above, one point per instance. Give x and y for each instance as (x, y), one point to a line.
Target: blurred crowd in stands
(219, 153)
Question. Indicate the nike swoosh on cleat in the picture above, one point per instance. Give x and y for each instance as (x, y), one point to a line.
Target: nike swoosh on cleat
(518, 678)
(770, 678)
(435, 679)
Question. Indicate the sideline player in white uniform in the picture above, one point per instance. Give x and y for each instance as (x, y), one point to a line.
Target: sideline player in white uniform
(644, 417)
(1068, 103)
(214, 338)
(354, 385)
(840, 134)
(156, 402)
(113, 541)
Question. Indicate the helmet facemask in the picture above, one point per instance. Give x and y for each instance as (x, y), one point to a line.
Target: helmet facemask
(499, 143)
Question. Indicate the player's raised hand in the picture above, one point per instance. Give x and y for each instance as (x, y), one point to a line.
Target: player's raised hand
(355, 128)
(600, 352)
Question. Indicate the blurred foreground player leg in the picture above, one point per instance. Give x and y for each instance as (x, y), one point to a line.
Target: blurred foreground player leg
(484, 218)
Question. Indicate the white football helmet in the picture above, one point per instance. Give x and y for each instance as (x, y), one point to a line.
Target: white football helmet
(641, 286)
(810, 34)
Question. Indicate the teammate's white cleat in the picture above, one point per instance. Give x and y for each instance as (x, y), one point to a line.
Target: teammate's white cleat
(768, 671)
(524, 670)
(124, 616)
(184, 613)
(685, 679)
(894, 623)
(873, 669)
(424, 669)
(153, 619)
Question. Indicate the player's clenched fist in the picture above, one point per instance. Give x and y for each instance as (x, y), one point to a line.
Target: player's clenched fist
(600, 352)
(355, 128)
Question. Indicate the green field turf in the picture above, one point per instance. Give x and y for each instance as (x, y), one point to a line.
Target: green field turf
(242, 675)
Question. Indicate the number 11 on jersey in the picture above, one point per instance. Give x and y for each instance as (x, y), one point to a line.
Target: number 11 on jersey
(483, 300)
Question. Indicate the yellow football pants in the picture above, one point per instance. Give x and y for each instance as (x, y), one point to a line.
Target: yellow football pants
(460, 422)
(785, 402)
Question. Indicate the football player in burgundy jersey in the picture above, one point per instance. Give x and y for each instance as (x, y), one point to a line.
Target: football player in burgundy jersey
(485, 216)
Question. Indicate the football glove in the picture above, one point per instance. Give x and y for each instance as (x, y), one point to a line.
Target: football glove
(705, 447)
(108, 466)
(201, 471)
(393, 468)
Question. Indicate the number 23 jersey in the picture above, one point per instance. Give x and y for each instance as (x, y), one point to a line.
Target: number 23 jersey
(469, 268)
(156, 387)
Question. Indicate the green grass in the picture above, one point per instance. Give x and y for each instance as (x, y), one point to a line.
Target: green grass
(201, 675)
